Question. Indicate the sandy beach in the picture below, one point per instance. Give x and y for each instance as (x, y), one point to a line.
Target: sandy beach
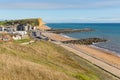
(107, 57)
(56, 37)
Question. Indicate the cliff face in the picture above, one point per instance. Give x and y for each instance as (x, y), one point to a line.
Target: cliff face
(42, 25)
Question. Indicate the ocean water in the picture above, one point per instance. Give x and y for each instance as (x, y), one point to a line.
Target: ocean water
(109, 31)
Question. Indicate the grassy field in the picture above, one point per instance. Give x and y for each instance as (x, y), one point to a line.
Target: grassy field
(43, 60)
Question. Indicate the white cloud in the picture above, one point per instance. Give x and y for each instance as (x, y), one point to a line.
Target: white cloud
(89, 20)
(34, 6)
(45, 5)
(100, 19)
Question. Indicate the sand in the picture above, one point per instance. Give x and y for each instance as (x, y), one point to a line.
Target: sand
(56, 37)
(45, 27)
(107, 57)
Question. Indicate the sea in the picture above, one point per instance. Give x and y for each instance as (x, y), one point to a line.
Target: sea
(109, 31)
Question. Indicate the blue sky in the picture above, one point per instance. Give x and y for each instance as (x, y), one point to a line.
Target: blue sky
(76, 11)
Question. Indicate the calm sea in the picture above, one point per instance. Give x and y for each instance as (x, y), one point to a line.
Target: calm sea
(109, 31)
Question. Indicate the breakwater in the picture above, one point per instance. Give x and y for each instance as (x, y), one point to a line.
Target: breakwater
(58, 31)
(87, 41)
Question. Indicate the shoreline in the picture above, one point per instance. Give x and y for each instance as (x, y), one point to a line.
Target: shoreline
(105, 50)
(100, 54)
(67, 36)
(96, 47)
(93, 46)
(57, 37)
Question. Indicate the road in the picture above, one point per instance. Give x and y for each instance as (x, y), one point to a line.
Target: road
(37, 35)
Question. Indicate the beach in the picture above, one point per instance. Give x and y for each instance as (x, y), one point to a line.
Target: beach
(56, 37)
(105, 56)
(101, 54)
(108, 31)
(108, 58)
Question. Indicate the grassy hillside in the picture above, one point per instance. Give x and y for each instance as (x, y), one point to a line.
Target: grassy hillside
(45, 61)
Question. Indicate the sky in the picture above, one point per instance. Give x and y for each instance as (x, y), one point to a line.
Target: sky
(66, 11)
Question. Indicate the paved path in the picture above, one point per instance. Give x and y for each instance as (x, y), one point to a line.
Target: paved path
(101, 64)
(25, 43)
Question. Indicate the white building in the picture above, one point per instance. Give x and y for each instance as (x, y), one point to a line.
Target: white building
(17, 37)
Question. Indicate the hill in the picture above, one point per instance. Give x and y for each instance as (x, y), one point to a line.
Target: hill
(32, 21)
(43, 60)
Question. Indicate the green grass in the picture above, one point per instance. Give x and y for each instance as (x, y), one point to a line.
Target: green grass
(45, 61)
(22, 40)
(1, 42)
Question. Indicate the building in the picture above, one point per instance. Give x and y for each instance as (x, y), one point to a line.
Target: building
(22, 29)
(17, 37)
(5, 37)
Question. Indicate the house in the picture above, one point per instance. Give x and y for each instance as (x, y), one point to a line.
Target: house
(22, 28)
(17, 37)
(7, 29)
(1, 28)
(5, 37)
